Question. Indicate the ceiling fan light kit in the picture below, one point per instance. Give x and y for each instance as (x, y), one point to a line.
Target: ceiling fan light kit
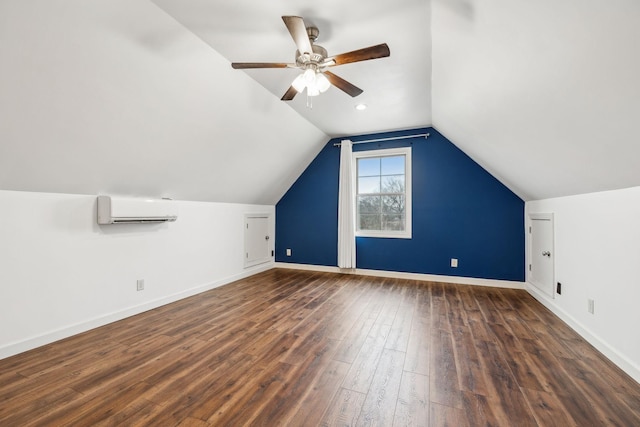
(315, 82)
(314, 60)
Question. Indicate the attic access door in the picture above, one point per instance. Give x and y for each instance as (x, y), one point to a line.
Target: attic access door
(257, 241)
(541, 255)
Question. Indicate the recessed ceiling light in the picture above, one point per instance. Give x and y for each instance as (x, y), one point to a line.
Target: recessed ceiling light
(361, 107)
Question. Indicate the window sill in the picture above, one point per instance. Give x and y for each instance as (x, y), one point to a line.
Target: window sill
(384, 234)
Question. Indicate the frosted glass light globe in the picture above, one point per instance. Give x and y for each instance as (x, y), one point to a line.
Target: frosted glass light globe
(322, 82)
(299, 83)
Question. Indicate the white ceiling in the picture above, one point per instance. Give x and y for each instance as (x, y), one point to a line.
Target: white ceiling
(397, 89)
(138, 97)
(116, 97)
(544, 95)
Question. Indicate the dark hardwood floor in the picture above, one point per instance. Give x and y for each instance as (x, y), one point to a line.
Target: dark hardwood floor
(292, 348)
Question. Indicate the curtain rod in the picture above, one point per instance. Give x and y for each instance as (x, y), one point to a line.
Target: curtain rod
(393, 138)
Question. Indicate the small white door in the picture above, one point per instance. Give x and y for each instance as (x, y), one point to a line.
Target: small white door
(541, 262)
(257, 242)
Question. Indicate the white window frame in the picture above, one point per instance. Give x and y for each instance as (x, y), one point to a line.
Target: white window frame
(392, 234)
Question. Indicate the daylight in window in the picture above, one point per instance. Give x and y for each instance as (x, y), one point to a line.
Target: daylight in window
(381, 186)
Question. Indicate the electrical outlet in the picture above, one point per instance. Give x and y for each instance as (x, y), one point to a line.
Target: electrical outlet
(590, 304)
(454, 262)
(288, 252)
(140, 285)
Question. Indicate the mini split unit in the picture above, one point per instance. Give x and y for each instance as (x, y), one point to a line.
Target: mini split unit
(127, 210)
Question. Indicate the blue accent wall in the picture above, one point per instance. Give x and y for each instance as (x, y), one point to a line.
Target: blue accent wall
(459, 211)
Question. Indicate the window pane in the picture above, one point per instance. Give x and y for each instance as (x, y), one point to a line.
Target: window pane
(393, 222)
(369, 167)
(383, 205)
(369, 222)
(393, 204)
(369, 204)
(393, 184)
(393, 165)
(369, 185)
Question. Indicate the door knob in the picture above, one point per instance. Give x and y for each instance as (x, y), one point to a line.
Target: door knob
(546, 253)
(266, 237)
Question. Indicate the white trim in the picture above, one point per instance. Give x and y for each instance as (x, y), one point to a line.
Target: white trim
(387, 152)
(402, 275)
(58, 334)
(257, 215)
(631, 368)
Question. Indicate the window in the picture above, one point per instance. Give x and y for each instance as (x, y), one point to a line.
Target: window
(383, 193)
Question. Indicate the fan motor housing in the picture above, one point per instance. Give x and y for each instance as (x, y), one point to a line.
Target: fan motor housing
(319, 54)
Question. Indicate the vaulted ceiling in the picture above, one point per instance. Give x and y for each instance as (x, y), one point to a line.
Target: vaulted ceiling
(138, 97)
(397, 89)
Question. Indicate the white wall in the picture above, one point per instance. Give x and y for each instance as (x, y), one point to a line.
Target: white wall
(61, 273)
(597, 256)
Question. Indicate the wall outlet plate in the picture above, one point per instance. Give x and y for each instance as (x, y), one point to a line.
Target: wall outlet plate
(140, 285)
(454, 262)
(288, 252)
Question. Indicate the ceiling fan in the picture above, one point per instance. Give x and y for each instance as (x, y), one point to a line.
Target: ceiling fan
(314, 61)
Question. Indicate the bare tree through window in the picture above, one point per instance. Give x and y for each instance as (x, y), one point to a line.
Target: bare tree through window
(381, 193)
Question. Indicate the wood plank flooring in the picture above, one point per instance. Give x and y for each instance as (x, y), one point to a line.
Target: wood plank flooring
(293, 348)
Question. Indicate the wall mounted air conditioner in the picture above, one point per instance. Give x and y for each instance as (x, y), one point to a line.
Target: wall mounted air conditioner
(127, 210)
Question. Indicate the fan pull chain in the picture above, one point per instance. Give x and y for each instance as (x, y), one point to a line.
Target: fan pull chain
(309, 101)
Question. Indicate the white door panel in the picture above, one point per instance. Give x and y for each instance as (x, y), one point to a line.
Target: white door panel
(541, 262)
(257, 242)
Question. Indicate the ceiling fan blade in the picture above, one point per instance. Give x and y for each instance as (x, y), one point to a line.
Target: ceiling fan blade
(289, 94)
(372, 52)
(243, 65)
(298, 32)
(343, 85)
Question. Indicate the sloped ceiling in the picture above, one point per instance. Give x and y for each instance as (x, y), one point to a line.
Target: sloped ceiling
(116, 97)
(396, 89)
(545, 94)
(138, 97)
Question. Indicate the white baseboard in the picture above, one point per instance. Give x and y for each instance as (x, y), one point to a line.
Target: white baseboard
(402, 275)
(611, 353)
(58, 334)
